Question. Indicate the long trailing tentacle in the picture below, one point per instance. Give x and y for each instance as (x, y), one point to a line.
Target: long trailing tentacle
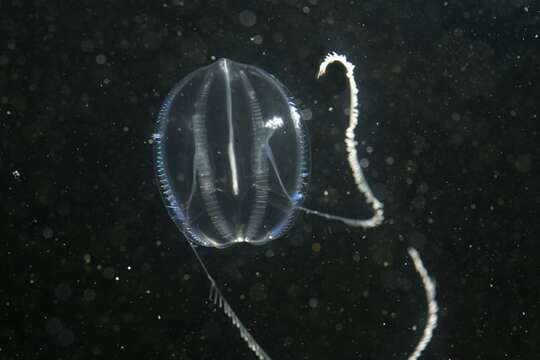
(352, 154)
(433, 308)
(376, 205)
(217, 298)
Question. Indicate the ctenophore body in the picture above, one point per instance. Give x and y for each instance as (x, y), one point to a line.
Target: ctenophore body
(232, 155)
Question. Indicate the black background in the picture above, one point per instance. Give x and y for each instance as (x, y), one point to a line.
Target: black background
(92, 267)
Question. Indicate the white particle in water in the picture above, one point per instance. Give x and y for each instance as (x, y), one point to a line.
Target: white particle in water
(257, 39)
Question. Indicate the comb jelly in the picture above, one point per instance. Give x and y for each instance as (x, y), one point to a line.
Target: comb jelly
(231, 156)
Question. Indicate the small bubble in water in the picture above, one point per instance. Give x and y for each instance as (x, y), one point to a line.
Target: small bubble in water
(66, 337)
(101, 59)
(257, 39)
(247, 18)
(364, 163)
(87, 45)
(53, 325)
(307, 114)
(63, 291)
(47, 232)
(89, 295)
(108, 273)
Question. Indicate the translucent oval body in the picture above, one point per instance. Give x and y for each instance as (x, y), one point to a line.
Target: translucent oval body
(231, 155)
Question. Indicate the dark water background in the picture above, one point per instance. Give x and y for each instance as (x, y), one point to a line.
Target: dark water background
(92, 267)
